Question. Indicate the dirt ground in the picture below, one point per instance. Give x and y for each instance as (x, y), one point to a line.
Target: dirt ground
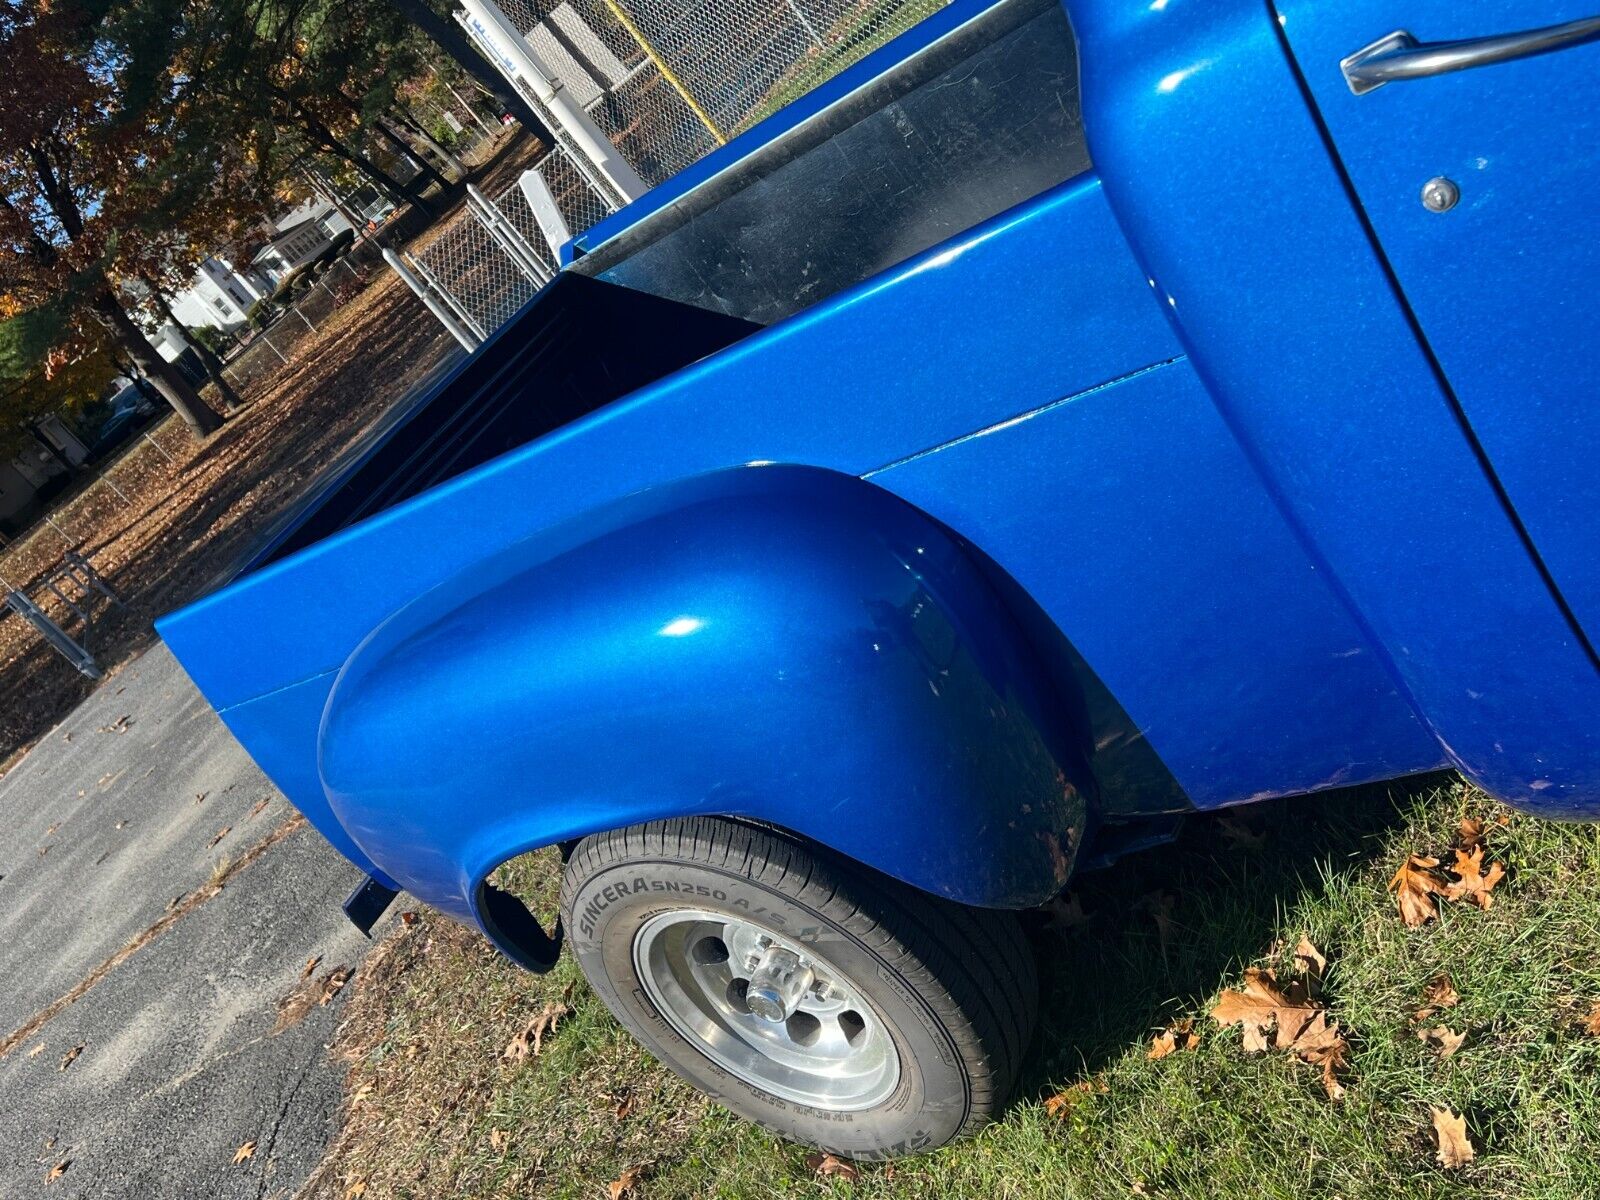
(193, 509)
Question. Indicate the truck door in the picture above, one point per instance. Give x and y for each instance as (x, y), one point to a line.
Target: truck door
(1470, 134)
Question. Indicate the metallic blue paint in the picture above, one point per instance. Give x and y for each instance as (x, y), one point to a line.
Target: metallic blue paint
(1503, 283)
(1182, 588)
(1245, 228)
(865, 687)
(1179, 423)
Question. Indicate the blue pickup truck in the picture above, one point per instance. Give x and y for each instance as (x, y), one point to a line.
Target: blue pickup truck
(1056, 424)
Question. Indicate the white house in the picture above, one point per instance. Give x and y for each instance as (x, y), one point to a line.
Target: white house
(222, 292)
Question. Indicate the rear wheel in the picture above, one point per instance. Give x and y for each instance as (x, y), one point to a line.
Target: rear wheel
(817, 998)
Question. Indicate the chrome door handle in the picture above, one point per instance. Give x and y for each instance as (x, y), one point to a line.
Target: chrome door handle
(1400, 56)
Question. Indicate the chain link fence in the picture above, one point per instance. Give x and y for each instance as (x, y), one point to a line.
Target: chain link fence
(670, 80)
(483, 282)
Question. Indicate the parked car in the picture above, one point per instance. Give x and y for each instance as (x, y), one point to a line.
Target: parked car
(945, 488)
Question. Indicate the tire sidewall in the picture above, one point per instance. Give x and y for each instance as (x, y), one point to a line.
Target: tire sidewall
(927, 1108)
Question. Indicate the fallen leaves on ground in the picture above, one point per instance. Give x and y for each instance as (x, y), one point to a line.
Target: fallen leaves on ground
(1415, 885)
(36, 1051)
(1455, 1147)
(220, 834)
(1180, 1035)
(1313, 964)
(1238, 831)
(408, 918)
(1297, 1020)
(498, 1139)
(1469, 833)
(260, 806)
(71, 1056)
(1159, 905)
(824, 1165)
(57, 1171)
(246, 1151)
(1439, 993)
(1064, 913)
(356, 1190)
(1442, 1039)
(530, 1038)
(309, 993)
(624, 1106)
(626, 1184)
(1473, 884)
(1064, 1101)
(333, 983)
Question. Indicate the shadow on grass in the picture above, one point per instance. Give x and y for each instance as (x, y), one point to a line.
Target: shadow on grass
(1164, 929)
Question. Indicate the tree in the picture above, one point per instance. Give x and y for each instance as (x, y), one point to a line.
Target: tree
(447, 35)
(68, 148)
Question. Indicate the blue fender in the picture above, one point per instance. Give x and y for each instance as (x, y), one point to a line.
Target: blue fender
(781, 644)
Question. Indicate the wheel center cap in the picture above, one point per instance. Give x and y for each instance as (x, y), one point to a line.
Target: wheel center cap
(777, 983)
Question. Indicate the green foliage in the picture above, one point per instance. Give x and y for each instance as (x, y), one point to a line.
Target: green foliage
(261, 313)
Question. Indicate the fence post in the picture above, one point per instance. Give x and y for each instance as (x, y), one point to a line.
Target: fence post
(273, 348)
(545, 211)
(496, 32)
(508, 237)
(451, 300)
(445, 318)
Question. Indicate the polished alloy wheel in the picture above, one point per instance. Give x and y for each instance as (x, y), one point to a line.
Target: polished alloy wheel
(772, 1012)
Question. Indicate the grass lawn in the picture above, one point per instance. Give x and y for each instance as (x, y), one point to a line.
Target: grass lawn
(433, 1109)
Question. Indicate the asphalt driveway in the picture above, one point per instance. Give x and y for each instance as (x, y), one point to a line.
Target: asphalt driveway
(170, 1058)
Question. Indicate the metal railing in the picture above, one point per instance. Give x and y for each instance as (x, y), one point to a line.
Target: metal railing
(670, 80)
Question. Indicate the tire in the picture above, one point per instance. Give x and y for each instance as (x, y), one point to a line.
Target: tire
(918, 1012)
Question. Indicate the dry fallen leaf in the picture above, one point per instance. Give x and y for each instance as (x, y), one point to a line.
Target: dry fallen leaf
(1442, 1039)
(1299, 1023)
(356, 1190)
(311, 965)
(71, 1056)
(1313, 963)
(1474, 885)
(1262, 1007)
(1591, 1022)
(498, 1139)
(248, 1150)
(1469, 833)
(1063, 1101)
(333, 982)
(39, 1049)
(625, 1185)
(530, 1039)
(1414, 886)
(1180, 1035)
(221, 833)
(1064, 913)
(624, 1106)
(1439, 993)
(1237, 831)
(408, 918)
(828, 1164)
(260, 806)
(1455, 1147)
(57, 1171)
(1159, 905)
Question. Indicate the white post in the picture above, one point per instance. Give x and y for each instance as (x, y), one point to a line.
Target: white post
(508, 237)
(516, 60)
(468, 342)
(550, 221)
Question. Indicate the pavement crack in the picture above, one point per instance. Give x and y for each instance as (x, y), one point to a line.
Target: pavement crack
(189, 903)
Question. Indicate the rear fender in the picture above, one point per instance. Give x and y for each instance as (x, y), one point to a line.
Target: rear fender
(781, 644)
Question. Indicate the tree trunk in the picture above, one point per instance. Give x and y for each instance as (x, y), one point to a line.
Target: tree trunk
(447, 35)
(411, 152)
(409, 120)
(202, 419)
(324, 137)
(208, 360)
